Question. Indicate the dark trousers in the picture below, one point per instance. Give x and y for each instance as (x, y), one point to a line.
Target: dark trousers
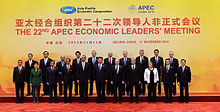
(38, 92)
(100, 87)
(174, 88)
(117, 86)
(60, 86)
(125, 88)
(141, 87)
(53, 89)
(45, 86)
(91, 86)
(68, 84)
(28, 88)
(152, 89)
(132, 84)
(76, 87)
(109, 88)
(83, 89)
(168, 92)
(19, 87)
(159, 84)
(182, 88)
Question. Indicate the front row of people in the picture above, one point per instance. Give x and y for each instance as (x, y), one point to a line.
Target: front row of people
(116, 78)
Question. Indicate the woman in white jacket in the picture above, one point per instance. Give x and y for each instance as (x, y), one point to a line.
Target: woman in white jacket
(151, 78)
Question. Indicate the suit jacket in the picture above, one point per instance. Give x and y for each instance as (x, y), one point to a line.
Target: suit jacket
(68, 75)
(144, 63)
(128, 62)
(52, 76)
(158, 65)
(100, 75)
(117, 76)
(134, 76)
(28, 69)
(84, 74)
(92, 66)
(36, 77)
(168, 77)
(109, 66)
(75, 67)
(43, 67)
(175, 64)
(19, 77)
(184, 76)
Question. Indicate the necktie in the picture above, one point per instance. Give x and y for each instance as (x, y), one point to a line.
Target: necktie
(83, 64)
(133, 68)
(62, 63)
(116, 69)
(93, 61)
(171, 60)
(183, 69)
(167, 69)
(125, 61)
(19, 69)
(141, 59)
(68, 68)
(110, 62)
(99, 67)
(156, 59)
(51, 68)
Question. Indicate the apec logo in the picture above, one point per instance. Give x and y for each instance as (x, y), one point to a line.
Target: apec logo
(68, 10)
(142, 9)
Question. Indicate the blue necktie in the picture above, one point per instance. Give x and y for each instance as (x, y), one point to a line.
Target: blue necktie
(93, 61)
(171, 61)
(99, 67)
(125, 61)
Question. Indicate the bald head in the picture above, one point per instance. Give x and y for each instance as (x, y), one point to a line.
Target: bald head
(116, 62)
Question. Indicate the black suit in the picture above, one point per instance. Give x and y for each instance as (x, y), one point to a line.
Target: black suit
(68, 78)
(168, 78)
(19, 79)
(100, 76)
(43, 67)
(125, 66)
(175, 64)
(109, 68)
(143, 65)
(83, 77)
(28, 70)
(60, 65)
(184, 77)
(159, 65)
(117, 77)
(76, 70)
(134, 76)
(52, 77)
(92, 65)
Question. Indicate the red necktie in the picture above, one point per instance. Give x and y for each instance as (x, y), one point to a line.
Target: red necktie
(19, 70)
(110, 61)
(67, 68)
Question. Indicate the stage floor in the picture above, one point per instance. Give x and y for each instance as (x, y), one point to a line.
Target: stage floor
(109, 107)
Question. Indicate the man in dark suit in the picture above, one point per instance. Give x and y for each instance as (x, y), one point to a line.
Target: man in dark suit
(184, 80)
(52, 79)
(44, 63)
(158, 63)
(175, 64)
(60, 65)
(117, 79)
(125, 62)
(109, 62)
(134, 79)
(19, 81)
(75, 64)
(29, 65)
(68, 80)
(84, 78)
(92, 61)
(168, 80)
(100, 77)
(142, 62)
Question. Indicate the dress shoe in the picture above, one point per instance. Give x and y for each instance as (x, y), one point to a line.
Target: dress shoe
(130, 101)
(56, 101)
(50, 101)
(187, 101)
(81, 101)
(114, 101)
(120, 101)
